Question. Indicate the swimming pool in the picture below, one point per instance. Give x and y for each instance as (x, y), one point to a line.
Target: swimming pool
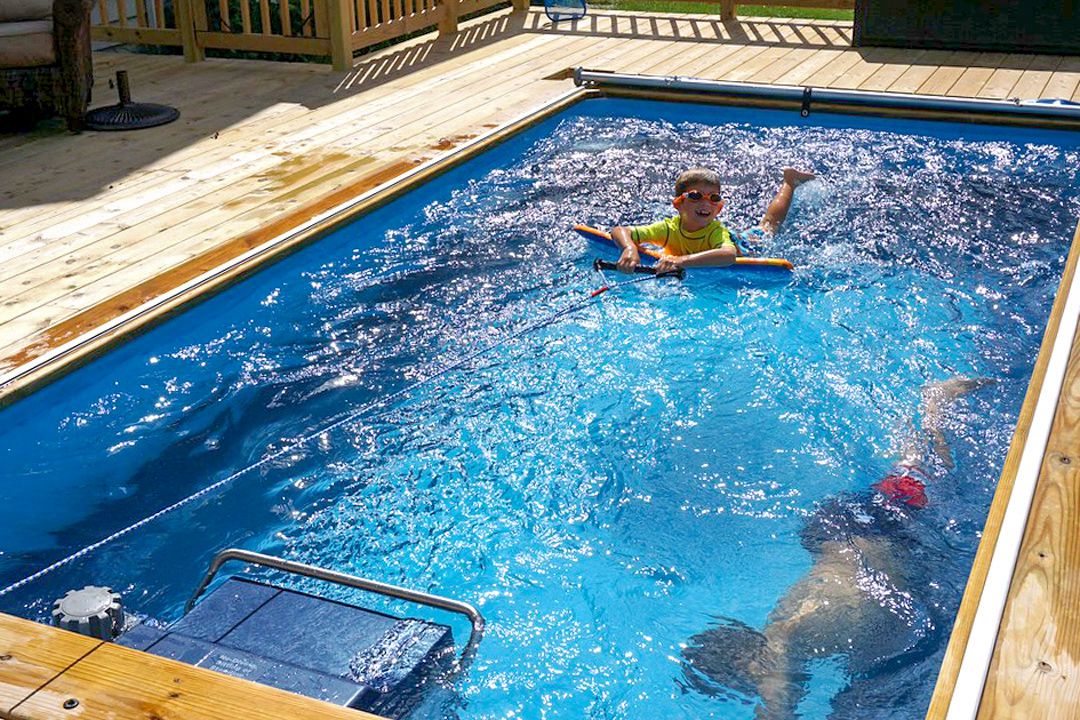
(651, 458)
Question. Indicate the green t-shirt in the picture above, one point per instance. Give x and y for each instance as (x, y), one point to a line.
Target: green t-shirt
(668, 234)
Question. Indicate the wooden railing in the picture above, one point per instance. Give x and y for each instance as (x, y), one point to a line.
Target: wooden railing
(334, 28)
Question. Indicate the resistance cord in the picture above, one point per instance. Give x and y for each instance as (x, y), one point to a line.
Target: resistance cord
(527, 328)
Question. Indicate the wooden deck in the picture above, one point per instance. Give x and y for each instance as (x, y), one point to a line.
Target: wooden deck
(50, 674)
(93, 225)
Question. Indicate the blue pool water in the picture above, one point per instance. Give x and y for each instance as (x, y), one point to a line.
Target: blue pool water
(612, 484)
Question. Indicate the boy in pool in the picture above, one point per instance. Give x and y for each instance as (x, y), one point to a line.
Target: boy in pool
(694, 237)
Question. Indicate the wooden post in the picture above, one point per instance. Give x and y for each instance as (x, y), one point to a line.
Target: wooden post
(340, 33)
(185, 20)
(448, 17)
(521, 5)
(727, 10)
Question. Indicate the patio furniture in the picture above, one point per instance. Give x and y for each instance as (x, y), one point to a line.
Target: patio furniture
(45, 60)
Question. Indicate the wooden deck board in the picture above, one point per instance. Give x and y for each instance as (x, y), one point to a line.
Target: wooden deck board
(32, 655)
(111, 682)
(114, 219)
(1035, 674)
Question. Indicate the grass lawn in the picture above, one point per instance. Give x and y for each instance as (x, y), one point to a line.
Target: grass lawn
(704, 8)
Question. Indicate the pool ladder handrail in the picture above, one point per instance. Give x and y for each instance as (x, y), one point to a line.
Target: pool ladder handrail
(338, 578)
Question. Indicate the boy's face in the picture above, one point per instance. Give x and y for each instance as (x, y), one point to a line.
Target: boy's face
(696, 214)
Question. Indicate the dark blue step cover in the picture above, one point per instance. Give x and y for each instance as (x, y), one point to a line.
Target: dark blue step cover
(305, 644)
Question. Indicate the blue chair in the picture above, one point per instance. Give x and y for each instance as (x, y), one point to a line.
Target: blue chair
(557, 10)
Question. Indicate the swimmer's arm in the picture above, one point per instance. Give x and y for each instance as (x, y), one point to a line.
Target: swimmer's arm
(630, 258)
(719, 257)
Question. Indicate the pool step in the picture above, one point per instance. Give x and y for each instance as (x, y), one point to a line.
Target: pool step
(305, 644)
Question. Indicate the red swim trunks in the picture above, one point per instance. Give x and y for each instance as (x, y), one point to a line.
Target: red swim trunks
(905, 485)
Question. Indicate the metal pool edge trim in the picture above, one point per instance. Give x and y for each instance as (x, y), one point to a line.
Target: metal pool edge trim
(809, 98)
(28, 377)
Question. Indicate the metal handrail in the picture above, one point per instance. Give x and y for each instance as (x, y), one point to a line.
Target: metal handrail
(338, 578)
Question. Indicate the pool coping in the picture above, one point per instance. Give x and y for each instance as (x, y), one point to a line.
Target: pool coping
(959, 679)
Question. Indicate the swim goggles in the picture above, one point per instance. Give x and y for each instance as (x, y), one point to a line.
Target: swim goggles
(697, 196)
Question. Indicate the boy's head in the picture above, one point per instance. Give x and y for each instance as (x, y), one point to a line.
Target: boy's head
(699, 178)
(697, 197)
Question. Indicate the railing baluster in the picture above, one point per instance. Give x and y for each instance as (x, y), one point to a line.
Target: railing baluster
(286, 18)
(264, 17)
(245, 16)
(225, 19)
(103, 13)
(322, 18)
(140, 14)
(121, 11)
(159, 14)
(305, 12)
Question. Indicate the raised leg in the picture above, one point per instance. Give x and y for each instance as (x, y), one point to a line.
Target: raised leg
(778, 208)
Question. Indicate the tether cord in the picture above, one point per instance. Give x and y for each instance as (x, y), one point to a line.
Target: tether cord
(467, 358)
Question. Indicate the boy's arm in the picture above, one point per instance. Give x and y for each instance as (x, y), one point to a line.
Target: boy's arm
(630, 258)
(719, 257)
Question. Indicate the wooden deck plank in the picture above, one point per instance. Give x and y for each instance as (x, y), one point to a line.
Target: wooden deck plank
(244, 139)
(31, 655)
(1034, 673)
(916, 76)
(195, 168)
(1033, 81)
(889, 72)
(868, 63)
(71, 240)
(1002, 81)
(109, 273)
(799, 74)
(946, 75)
(117, 683)
(835, 69)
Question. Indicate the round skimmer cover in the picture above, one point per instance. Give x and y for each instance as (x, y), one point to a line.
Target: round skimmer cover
(95, 611)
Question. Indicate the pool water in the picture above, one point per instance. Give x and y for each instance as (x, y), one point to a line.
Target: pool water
(612, 484)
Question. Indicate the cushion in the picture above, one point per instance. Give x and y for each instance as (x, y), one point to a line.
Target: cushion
(13, 10)
(26, 44)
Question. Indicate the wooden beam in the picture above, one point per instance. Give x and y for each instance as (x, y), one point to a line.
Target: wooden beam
(137, 36)
(265, 43)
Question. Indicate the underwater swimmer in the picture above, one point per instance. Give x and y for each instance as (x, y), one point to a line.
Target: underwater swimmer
(859, 600)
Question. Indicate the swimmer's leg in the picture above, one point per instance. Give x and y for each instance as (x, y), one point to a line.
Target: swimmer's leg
(735, 656)
(935, 399)
(778, 208)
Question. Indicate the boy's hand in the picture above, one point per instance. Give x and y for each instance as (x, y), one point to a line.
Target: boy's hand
(629, 260)
(668, 263)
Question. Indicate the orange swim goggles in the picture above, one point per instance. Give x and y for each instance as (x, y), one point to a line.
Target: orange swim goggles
(697, 196)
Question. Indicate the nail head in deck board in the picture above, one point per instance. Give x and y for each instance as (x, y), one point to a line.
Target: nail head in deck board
(32, 655)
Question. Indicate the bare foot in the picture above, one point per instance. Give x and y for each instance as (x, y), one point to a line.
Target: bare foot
(795, 178)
